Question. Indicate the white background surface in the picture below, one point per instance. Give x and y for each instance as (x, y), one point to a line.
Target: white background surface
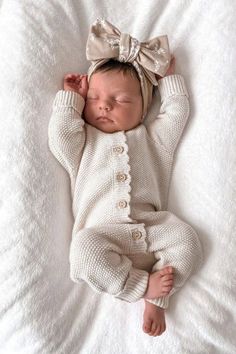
(41, 310)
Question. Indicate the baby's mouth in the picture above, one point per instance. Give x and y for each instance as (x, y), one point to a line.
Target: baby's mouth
(104, 119)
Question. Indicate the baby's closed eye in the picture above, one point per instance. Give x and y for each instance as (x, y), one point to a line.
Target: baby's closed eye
(122, 99)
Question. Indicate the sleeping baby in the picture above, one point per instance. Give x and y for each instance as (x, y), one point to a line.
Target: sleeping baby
(124, 242)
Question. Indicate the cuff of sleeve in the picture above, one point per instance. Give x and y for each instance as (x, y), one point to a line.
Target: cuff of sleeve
(135, 286)
(66, 99)
(162, 302)
(172, 85)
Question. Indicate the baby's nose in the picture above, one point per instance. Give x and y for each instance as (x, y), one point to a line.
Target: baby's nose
(105, 105)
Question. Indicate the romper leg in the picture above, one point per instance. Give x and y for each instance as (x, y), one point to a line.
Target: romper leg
(173, 243)
(98, 256)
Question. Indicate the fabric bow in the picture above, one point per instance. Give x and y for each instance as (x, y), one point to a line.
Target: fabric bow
(152, 57)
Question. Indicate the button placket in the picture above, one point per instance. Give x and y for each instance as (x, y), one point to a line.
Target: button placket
(121, 176)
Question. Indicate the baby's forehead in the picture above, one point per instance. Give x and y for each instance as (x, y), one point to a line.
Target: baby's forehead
(114, 80)
(112, 73)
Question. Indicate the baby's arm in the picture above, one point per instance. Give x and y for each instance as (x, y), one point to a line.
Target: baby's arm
(66, 127)
(167, 128)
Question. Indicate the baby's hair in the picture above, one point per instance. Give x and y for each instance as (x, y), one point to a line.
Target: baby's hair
(125, 68)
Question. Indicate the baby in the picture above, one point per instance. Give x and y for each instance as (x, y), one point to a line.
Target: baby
(124, 241)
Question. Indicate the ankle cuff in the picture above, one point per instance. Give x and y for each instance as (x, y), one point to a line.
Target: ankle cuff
(135, 286)
(162, 302)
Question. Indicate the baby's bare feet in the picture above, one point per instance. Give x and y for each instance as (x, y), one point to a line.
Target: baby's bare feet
(153, 320)
(160, 283)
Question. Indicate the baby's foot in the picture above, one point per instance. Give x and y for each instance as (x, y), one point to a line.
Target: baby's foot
(160, 283)
(153, 320)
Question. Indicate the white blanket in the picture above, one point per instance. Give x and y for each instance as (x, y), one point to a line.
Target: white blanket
(41, 309)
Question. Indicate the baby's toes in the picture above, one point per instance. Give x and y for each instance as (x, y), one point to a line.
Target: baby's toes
(169, 270)
(166, 290)
(167, 277)
(166, 271)
(147, 326)
(153, 329)
(168, 282)
(160, 329)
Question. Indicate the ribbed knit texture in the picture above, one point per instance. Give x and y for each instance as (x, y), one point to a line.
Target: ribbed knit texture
(172, 86)
(117, 179)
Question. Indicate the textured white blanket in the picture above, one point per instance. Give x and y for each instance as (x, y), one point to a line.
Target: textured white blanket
(41, 310)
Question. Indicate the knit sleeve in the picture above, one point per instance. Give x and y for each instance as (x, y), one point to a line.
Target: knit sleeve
(66, 134)
(167, 128)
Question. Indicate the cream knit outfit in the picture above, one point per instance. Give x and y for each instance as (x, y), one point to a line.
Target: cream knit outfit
(119, 185)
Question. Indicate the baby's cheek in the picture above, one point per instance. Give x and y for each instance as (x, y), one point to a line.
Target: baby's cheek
(86, 108)
(89, 111)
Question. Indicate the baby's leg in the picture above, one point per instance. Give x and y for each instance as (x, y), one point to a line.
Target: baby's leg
(178, 253)
(99, 257)
(174, 243)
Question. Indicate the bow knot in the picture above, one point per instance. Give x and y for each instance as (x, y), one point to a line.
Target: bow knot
(128, 49)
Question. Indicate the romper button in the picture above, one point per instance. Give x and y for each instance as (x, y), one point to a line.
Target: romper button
(136, 235)
(121, 177)
(122, 204)
(118, 149)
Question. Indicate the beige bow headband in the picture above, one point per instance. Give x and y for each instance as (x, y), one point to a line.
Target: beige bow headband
(106, 42)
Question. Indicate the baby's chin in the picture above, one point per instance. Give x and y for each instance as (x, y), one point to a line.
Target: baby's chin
(110, 130)
(105, 128)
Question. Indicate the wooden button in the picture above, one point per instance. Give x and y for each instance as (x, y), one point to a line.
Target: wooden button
(136, 234)
(121, 177)
(118, 149)
(122, 204)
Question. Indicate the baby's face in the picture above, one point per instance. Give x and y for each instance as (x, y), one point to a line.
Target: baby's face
(114, 102)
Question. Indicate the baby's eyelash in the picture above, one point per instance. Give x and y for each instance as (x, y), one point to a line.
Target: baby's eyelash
(122, 100)
(116, 99)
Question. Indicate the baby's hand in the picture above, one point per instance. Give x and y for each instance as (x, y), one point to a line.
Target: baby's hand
(77, 83)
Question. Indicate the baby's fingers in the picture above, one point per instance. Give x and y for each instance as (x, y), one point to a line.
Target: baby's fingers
(172, 61)
(72, 77)
(84, 82)
(84, 86)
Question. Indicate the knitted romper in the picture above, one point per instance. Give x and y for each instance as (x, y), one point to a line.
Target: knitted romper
(119, 185)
